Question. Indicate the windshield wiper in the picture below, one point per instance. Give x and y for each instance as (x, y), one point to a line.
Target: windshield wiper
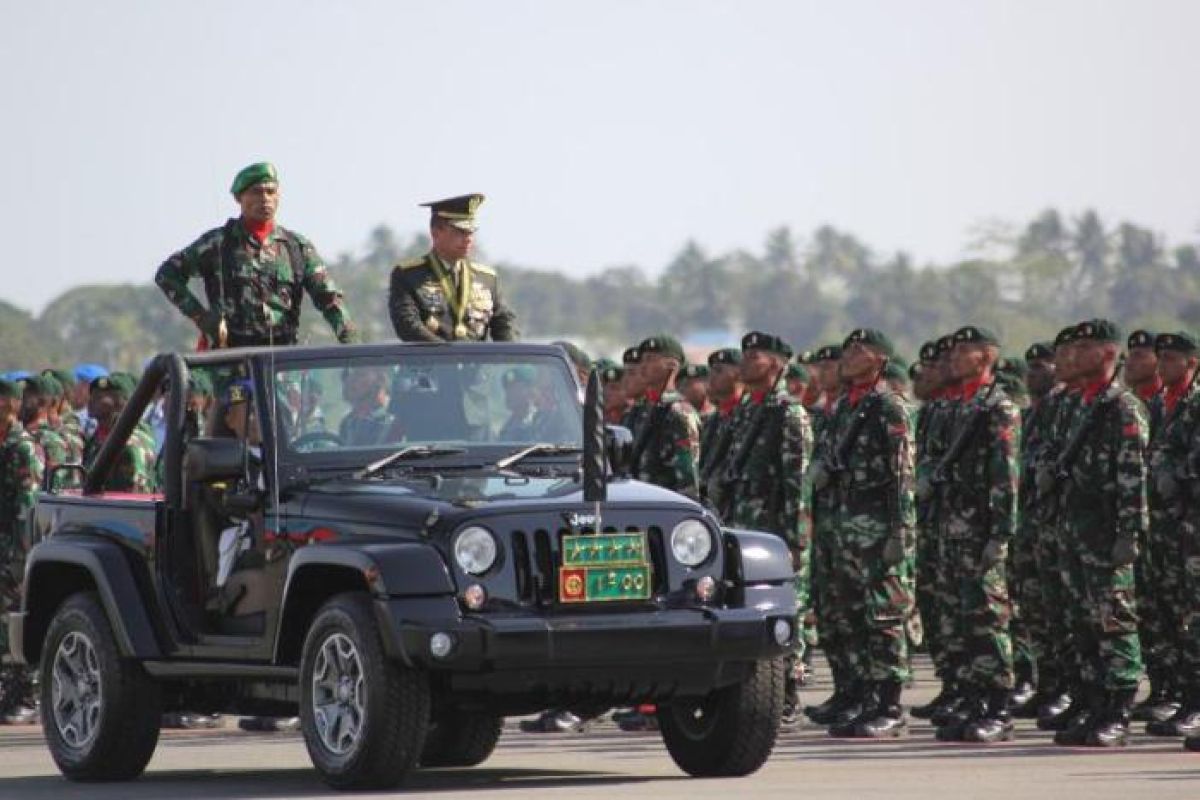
(540, 449)
(404, 453)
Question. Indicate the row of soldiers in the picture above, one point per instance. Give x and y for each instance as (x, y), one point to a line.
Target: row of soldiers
(1029, 520)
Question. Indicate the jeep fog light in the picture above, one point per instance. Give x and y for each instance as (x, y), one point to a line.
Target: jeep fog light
(706, 588)
(441, 644)
(782, 631)
(474, 596)
(475, 550)
(691, 543)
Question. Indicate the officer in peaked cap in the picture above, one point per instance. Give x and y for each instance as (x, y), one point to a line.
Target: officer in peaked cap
(443, 295)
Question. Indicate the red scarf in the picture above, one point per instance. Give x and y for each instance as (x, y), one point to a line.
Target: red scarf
(726, 407)
(1090, 390)
(259, 230)
(652, 397)
(756, 398)
(858, 391)
(969, 389)
(1148, 390)
(1175, 393)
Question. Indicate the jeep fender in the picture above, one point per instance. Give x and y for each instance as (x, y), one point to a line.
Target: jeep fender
(116, 585)
(760, 557)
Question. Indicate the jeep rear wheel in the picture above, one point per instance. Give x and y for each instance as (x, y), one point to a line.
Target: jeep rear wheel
(461, 739)
(100, 712)
(364, 717)
(731, 731)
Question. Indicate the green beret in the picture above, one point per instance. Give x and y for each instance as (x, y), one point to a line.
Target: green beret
(694, 371)
(44, 384)
(915, 369)
(575, 354)
(1179, 341)
(972, 334)
(663, 345)
(805, 357)
(798, 372)
(523, 373)
(895, 371)
(726, 355)
(632, 355)
(9, 388)
(612, 374)
(1011, 365)
(1065, 336)
(601, 364)
(120, 382)
(200, 383)
(1040, 351)
(1098, 330)
(757, 340)
(1012, 384)
(871, 337)
(928, 353)
(945, 344)
(830, 352)
(1141, 338)
(65, 378)
(253, 174)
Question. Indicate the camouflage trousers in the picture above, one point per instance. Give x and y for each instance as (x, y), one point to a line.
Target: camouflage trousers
(1101, 612)
(975, 615)
(1028, 625)
(823, 546)
(1190, 597)
(927, 598)
(866, 603)
(1162, 597)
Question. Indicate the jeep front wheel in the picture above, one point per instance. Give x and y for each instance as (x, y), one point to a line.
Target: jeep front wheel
(729, 732)
(364, 717)
(461, 739)
(100, 712)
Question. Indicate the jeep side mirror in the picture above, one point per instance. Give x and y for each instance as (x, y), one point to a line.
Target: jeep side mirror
(216, 459)
(619, 444)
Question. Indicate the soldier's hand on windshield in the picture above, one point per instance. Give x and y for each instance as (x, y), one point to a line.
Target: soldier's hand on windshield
(1124, 551)
(994, 551)
(893, 550)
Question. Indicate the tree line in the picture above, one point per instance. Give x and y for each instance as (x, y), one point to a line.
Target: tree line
(1025, 281)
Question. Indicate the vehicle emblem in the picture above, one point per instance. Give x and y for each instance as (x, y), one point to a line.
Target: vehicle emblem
(579, 520)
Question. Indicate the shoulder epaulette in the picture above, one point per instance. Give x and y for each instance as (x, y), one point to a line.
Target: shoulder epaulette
(410, 263)
(484, 268)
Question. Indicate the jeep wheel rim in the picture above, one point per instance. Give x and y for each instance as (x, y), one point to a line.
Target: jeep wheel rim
(697, 718)
(76, 692)
(339, 694)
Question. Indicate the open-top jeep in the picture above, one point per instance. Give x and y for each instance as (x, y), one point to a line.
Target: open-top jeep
(393, 542)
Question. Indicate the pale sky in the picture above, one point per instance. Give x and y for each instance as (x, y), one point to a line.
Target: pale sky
(603, 133)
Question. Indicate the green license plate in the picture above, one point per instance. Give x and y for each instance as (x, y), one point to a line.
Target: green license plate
(604, 567)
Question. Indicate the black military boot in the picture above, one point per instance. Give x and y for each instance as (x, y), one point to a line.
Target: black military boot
(864, 708)
(1047, 690)
(887, 719)
(1184, 722)
(946, 696)
(1192, 743)
(1063, 705)
(1021, 698)
(1080, 717)
(844, 704)
(996, 725)
(1161, 704)
(971, 708)
(1111, 728)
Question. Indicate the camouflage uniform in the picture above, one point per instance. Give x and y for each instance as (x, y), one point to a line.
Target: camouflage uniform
(56, 451)
(21, 469)
(667, 447)
(134, 469)
(977, 504)
(930, 445)
(257, 287)
(870, 500)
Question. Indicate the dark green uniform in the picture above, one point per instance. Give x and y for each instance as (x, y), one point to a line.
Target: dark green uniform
(430, 301)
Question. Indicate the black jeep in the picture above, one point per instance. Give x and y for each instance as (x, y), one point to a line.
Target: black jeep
(393, 542)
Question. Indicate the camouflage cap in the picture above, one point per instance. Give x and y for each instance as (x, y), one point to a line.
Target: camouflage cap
(457, 211)
(1040, 351)
(871, 337)
(757, 340)
(928, 352)
(798, 372)
(1179, 341)
(973, 334)
(726, 355)
(612, 374)
(261, 172)
(1098, 330)
(9, 388)
(632, 355)
(664, 345)
(829, 352)
(1141, 338)
(694, 372)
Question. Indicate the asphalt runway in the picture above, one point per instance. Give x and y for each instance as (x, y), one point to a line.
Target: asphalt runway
(605, 761)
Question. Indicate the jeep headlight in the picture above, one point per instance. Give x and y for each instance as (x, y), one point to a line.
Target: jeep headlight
(691, 543)
(475, 550)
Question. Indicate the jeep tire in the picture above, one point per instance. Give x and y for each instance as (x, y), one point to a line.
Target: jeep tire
(461, 738)
(731, 731)
(100, 712)
(364, 717)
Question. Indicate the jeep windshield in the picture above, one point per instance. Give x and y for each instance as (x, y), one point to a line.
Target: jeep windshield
(465, 407)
